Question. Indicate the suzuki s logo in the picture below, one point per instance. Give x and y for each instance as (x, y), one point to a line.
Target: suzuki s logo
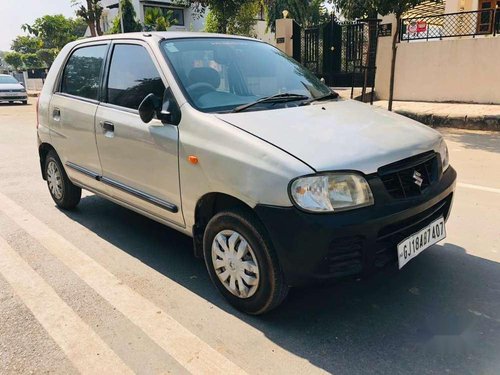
(417, 176)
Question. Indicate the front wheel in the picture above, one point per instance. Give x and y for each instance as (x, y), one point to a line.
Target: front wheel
(63, 192)
(242, 263)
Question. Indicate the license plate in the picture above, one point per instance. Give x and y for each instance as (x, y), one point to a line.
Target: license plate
(418, 242)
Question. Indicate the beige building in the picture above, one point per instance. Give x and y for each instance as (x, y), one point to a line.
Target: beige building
(452, 55)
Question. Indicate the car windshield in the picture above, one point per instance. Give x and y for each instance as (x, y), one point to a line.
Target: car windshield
(220, 74)
(8, 79)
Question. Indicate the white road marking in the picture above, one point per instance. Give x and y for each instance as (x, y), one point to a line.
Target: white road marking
(83, 347)
(186, 348)
(477, 187)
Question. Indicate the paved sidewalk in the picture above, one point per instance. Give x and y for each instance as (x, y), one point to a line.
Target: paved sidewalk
(453, 115)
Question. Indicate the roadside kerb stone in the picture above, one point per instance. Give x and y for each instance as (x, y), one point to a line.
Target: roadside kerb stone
(451, 115)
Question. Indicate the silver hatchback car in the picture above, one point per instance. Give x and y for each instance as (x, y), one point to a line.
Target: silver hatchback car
(11, 90)
(278, 180)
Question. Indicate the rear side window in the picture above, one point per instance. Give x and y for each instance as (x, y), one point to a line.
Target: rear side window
(82, 73)
(132, 76)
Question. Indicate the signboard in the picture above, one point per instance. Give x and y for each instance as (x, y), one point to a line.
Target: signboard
(385, 29)
(280, 40)
(421, 26)
(417, 27)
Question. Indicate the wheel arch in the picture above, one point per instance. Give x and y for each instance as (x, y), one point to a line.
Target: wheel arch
(207, 207)
(43, 151)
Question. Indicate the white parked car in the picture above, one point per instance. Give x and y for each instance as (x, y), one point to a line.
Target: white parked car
(278, 180)
(11, 90)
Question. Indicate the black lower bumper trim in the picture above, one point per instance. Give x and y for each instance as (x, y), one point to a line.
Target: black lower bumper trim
(324, 246)
(13, 98)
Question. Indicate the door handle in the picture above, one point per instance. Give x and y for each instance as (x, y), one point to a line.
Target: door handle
(56, 114)
(108, 126)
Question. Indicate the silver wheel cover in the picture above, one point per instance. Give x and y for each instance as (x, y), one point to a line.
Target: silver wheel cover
(54, 180)
(235, 264)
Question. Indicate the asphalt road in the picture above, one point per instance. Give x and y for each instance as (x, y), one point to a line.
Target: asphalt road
(104, 290)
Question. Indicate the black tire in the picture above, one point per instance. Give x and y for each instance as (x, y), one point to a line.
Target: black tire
(70, 194)
(25, 102)
(272, 288)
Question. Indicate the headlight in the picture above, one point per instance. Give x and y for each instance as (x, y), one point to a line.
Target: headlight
(445, 156)
(331, 192)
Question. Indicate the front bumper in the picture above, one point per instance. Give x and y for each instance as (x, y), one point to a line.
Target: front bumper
(7, 98)
(324, 246)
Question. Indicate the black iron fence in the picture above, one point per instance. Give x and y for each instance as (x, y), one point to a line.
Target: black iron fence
(340, 52)
(481, 22)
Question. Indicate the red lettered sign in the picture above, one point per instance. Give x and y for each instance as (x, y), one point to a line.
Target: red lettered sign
(421, 26)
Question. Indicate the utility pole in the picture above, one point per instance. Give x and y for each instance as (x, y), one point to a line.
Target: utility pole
(121, 15)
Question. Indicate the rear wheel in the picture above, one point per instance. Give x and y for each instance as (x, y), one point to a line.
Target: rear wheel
(63, 192)
(242, 263)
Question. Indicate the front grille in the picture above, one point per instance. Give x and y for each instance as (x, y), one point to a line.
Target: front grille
(345, 256)
(13, 90)
(389, 236)
(401, 178)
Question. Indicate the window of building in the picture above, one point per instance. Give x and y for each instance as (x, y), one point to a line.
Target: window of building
(82, 73)
(177, 14)
(132, 76)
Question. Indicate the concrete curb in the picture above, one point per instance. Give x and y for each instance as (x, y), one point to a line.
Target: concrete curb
(460, 122)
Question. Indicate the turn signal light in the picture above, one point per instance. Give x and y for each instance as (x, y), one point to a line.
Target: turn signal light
(193, 159)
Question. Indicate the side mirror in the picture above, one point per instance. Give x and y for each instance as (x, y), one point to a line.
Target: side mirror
(167, 111)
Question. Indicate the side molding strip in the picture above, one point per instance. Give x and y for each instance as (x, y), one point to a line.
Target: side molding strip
(85, 171)
(137, 193)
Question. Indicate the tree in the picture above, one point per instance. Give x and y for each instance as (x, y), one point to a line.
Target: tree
(306, 13)
(31, 61)
(241, 23)
(26, 44)
(47, 55)
(224, 10)
(353, 9)
(126, 19)
(55, 31)
(3, 64)
(46, 37)
(91, 12)
(14, 59)
(157, 20)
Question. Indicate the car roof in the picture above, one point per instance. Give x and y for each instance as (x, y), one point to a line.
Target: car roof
(163, 35)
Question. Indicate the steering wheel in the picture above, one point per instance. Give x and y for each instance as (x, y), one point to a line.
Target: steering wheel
(199, 88)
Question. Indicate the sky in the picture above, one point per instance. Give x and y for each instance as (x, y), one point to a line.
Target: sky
(14, 13)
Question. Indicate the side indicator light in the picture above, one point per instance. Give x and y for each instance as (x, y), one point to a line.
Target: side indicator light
(193, 159)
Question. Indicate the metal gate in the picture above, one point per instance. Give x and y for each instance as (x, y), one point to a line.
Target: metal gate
(342, 53)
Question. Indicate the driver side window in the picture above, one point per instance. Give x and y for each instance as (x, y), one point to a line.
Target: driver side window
(132, 76)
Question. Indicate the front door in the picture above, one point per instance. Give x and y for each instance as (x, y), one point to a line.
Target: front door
(72, 114)
(139, 161)
(486, 22)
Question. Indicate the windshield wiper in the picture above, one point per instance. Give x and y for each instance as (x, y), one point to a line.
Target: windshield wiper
(277, 98)
(331, 95)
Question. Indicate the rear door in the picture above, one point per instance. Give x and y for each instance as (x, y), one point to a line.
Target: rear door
(72, 112)
(139, 161)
